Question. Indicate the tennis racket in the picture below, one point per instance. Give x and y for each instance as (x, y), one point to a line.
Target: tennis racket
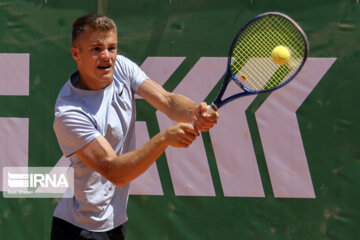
(267, 53)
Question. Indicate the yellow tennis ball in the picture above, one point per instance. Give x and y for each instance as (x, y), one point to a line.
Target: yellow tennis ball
(280, 55)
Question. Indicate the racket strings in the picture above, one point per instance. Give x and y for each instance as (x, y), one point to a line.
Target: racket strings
(250, 49)
(251, 68)
(251, 61)
(285, 34)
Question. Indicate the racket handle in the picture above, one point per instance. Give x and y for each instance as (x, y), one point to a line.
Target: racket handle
(211, 115)
(211, 111)
(214, 107)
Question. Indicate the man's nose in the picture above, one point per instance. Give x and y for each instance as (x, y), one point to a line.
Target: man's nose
(105, 54)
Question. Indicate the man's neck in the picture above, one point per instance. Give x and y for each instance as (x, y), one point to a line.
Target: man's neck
(87, 84)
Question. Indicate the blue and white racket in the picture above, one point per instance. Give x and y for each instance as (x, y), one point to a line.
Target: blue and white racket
(267, 53)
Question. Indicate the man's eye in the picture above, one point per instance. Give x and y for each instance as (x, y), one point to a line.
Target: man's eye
(96, 49)
(112, 49)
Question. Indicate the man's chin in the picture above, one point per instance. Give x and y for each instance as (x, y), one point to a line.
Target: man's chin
(107, 77)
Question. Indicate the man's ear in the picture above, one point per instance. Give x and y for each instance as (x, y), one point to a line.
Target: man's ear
(75, 52)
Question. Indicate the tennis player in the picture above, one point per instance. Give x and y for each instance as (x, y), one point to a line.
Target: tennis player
(94, 124)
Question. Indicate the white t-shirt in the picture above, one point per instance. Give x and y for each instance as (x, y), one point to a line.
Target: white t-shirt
(80, 117)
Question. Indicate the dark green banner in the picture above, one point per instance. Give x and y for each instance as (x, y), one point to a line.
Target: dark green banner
(234, 184)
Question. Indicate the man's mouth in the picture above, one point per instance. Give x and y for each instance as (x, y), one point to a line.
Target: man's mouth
(104, 67)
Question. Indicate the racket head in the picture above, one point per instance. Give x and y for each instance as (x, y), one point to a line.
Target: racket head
(250, 61)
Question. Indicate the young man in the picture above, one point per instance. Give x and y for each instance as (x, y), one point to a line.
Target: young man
(94, 123)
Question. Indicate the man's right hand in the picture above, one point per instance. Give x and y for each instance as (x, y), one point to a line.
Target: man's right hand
(181, 135)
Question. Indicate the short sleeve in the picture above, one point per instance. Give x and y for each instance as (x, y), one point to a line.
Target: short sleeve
(74, 130)
(131, 71)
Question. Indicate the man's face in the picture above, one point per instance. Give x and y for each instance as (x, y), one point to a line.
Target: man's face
(95, 55)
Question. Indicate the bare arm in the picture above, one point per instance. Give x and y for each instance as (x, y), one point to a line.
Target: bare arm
(122, 169)
(178, 107)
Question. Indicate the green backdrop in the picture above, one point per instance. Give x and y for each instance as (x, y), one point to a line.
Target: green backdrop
(328, 118)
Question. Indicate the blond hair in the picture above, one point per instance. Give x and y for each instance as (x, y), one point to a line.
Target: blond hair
(93, 22)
